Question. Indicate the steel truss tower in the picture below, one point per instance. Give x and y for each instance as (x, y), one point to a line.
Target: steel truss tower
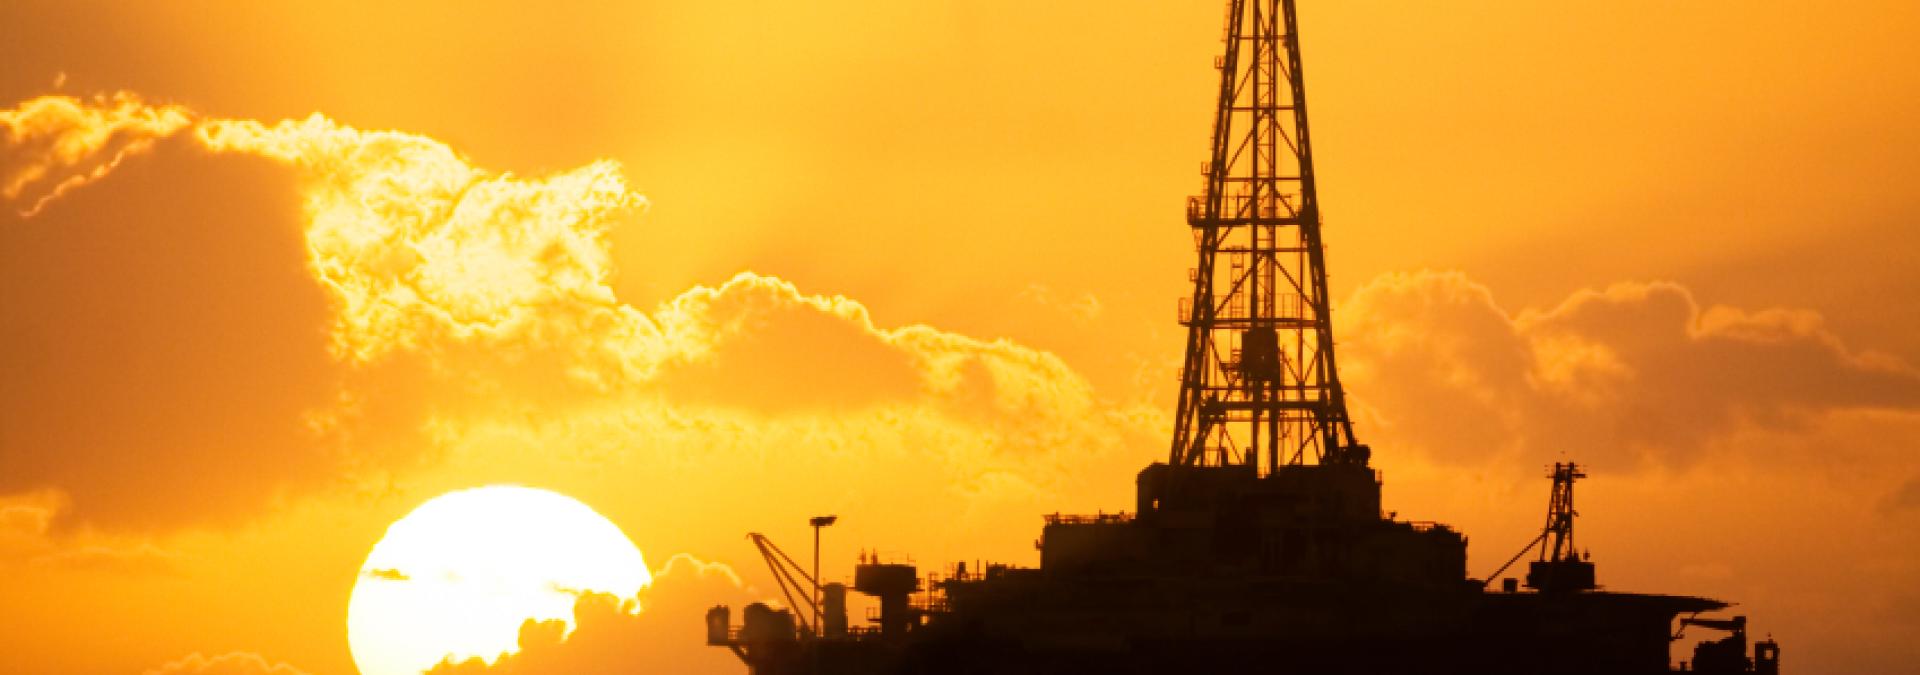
(1259, 379)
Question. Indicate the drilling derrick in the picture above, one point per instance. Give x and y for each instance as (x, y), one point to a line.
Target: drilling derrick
(1259, 377)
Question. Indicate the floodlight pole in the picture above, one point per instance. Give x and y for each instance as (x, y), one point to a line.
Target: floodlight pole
(817, 523)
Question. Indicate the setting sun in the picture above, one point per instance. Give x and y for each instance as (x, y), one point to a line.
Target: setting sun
(459, 575)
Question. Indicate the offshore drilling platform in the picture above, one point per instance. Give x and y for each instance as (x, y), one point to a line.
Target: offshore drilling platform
(1260, 543)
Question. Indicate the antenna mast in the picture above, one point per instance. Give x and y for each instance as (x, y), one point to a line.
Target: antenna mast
(1259, 387)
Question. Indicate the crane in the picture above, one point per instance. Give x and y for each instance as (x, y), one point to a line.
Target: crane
(1560, 567)
(793, 580)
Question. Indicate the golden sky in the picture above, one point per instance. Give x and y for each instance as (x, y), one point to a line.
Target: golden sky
(272, 274)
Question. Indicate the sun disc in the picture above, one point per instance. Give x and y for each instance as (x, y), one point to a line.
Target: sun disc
(458, 575)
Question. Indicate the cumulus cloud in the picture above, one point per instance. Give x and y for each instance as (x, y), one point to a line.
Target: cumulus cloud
(663, 631)
(425, 252)
(449, 298)
(796, 347)
(418, 245)
(1636, 373)
(231, 663)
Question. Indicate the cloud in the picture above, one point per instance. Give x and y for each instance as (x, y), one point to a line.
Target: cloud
(418, 245)
(797, 348)
(1637, 373)
(28, 537)
(1082, 310)
(681, 565)
(59, 143)
(386, 574)
(426, 253)
(215, 324)
(164, 344)
(231, 663)
(406, 302)
(663, 631)
(25, 521)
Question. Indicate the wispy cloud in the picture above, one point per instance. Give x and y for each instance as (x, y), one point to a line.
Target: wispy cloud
(230, 663)
(56, 144)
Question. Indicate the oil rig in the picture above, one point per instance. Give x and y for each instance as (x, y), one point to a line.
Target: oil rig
(1260, 543)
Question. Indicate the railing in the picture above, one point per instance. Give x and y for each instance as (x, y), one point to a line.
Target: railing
(1286, 309)
(879, 557)
(1083, 519)
(1242, 207)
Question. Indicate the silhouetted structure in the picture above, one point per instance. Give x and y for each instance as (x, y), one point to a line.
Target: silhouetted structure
(1260, 543)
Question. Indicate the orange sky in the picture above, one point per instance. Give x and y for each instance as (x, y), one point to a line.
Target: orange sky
(1674, 241)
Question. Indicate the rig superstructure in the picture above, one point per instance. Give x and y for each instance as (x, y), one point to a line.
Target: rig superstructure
(1260, 543)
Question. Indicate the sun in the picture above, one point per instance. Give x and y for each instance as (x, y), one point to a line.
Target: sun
(458, 575)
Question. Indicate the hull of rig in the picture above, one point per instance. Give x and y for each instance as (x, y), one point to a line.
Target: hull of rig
(1260, 543)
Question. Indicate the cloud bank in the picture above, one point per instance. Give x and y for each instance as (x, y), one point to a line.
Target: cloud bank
(452, 297)
(1631, 375)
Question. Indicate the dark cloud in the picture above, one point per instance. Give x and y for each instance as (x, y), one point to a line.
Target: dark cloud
(162, 343)
(1637, 373)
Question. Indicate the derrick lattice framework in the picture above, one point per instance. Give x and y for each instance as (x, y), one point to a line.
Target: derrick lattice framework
(1259, 386)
